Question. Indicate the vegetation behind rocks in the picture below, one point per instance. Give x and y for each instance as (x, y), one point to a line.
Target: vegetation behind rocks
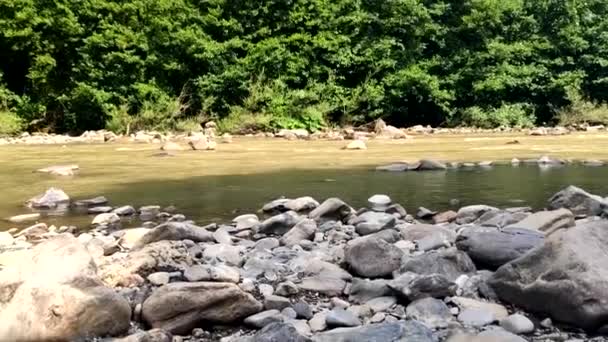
(70, 66)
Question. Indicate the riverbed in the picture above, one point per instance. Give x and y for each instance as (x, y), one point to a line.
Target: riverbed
(217, 185)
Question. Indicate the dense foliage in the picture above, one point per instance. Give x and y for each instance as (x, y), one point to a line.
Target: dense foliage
(71, 65)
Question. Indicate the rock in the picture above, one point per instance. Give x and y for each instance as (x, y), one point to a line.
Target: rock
(371, 222)
(289, 313)
(571, 261)
(174, 231)
(130, 236)
(221, 273)
(429, 165)
(395, 167)
(450, 263)
(363, 290)
(517, 324)
(264, 318)
(356, 145)
(546, 221)
(247, 221)
(99, 210)
(476, 317)
(317, 322)
(333, 209)
(6, 239)
(287, 288)
(379, 202)
(202, 144)
(222, 235)
(341, 318)
(267, 244)
(410, 331)
(380, 304)
(303, 310)
(424, 213)
(105, 219)
(327, 285)
(171, 146)
(301, 204)
(33, 232)
(266, 290)
(273, 302)
(500, 219)
(578, 201)
(126, 210)
(546, 160)
(51, 199)
(338, 303)
(372, 257)
(412, 286)
(60, 170)
(445, 217)
(492, 335)
(471, 213)
(34, 287)
(149, 212)
(303, 230)
(433, 313)
(159, 278)
(179, 307)
(420, 231)
(230, 255)
(154, 335)
(278, 224)
(498, 311)
(91, 202)
(24, 218)
(283, 332)
(489, 247)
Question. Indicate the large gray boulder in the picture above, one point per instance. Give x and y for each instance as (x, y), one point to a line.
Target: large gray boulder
(578, 201)
(180, 307)
(54, 294)
(175, 231)
(565, 278)
(450, 263)
(371, 257)
(410, 331)
(547, 221)
(490, 247)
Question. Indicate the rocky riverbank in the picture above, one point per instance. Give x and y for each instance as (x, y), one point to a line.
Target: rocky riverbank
(375, 130)
(300, 270)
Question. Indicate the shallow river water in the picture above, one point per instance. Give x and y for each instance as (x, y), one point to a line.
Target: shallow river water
(241, 177)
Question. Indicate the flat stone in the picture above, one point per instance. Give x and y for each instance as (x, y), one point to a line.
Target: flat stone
(379, 202)
(220, 273)
(99, 210)
(381, 303)
(24, 218)
(434, 313)
(106, 219)
(517, 324)
(342, 318)
(327, 285)
(498, 311)
(264, 318)
(371, 222)
(476, 317)
(406, 331)
(547, 221)
(273, 302)
(126, 210)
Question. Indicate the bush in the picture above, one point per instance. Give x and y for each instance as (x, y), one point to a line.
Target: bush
(519, 115)
(582, 111)
(10, 123)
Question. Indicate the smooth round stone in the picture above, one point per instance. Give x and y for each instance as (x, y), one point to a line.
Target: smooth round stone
(379, 202)
(476, 317)
(517, 324)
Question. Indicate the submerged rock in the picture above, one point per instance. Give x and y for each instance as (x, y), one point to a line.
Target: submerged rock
(51, 199)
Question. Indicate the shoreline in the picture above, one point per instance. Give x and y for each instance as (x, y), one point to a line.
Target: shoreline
(302, 267)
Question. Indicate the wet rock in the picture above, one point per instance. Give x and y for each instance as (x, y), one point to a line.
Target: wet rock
(517, 324)
(51, 199)
(174, 231)
(546, 221)
(332, 209)
(433, 313)
(500, 219)
(379, 202)
(363, 290)
(105, 219)
(275, 332)
(546, 160)
(411, 331)
(476, 317)
(429, 165)
(578, 201)
(493, 248)
(395, 167)
(171, 146)
(412, 286)
(60, 170)
(471, 213)
(371, 222)
(91, 202)
(278, 224)
(99, 210)
(372, 257)
(80, 304)
(179, 307)
(24, 218)
(126, 210)
(425, 214)
(356, 145)
(264, 318)
(303, 230)
(341, 318)
(571, 261)
(450, 263)
(221, 273)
